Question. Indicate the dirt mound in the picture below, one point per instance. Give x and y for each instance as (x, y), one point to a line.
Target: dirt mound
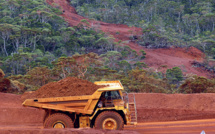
(69, 86)
(195, 52)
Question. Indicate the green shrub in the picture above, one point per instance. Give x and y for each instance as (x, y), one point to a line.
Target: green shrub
(197, 84)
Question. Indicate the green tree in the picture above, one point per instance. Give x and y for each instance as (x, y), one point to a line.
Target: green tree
(5, 33)
(174, 75)
(39, 76)
(112, 57)
(125, 66)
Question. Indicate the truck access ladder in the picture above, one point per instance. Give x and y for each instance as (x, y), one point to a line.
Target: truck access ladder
(132, 108)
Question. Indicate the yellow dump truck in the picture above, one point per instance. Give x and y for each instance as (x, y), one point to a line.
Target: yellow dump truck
(107, 108)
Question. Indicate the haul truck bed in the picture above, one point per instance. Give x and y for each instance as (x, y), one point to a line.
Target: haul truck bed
(78, 104)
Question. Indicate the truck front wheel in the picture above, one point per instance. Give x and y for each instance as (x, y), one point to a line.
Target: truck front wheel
(109, 120)
(58, 120)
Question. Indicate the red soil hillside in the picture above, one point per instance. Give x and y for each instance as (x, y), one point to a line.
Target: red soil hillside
(154, 58)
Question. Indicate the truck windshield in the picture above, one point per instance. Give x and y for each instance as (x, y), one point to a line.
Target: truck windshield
(112, 95)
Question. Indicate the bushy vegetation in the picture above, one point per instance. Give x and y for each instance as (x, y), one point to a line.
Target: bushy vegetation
(196, 84)
(38, 46)
(93, 68)
(8, 86)
(33, 34)
(174, 75)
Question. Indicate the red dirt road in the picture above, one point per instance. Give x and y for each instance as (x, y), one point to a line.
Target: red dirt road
(176, 127)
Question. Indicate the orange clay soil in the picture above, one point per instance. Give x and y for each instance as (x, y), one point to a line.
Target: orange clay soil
(69, 86)
(13, 113)
(155, 58)
(171, 107)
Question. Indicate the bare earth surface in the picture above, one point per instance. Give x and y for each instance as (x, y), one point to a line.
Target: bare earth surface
(13, 113)
(157, 113)
(176, 127)
(174, 107)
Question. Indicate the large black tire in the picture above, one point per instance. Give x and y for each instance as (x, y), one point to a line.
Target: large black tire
(58, 120)
(109, 120)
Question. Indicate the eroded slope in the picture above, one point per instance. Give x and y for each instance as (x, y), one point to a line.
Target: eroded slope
(155, 57)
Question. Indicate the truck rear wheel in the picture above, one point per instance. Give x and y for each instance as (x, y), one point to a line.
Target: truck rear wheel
(109, 120)
(58, 120)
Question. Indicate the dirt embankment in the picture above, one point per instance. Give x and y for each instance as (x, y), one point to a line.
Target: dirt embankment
(13, 113)
(173, 107)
